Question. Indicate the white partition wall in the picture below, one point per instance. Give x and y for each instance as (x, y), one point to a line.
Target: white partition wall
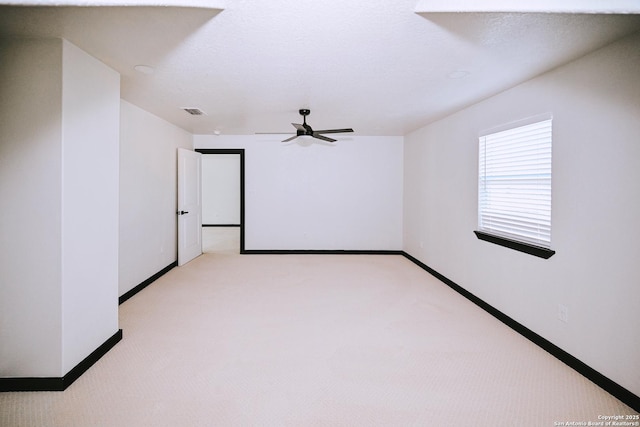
(319, 197)
(30, 175)
(592, 280)
(91, 117)
(59, 174)
(148, 194)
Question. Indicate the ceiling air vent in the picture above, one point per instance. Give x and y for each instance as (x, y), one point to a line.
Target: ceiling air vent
(194, 111)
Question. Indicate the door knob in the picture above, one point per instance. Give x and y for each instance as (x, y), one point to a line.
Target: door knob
(182, 212)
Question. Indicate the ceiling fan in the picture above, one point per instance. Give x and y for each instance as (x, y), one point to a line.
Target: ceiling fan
(305, 130)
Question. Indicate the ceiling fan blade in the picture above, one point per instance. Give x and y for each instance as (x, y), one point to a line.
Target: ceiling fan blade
(334, 131)
(272, 133)
(324, 138)
(299, 127)
(290, 139)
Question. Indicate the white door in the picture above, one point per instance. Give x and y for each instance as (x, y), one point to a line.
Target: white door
(189, 205)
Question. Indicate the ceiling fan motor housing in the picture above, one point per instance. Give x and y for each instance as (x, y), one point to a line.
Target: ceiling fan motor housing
(305, 130)
(308, 131)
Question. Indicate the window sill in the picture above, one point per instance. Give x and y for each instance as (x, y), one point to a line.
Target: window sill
(518, 246)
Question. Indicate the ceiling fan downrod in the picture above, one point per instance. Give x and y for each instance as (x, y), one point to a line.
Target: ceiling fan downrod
(304, 113)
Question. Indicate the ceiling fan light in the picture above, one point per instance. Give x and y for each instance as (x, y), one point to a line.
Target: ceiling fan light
(305, 140)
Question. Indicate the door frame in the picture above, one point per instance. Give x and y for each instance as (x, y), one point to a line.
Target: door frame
(239, 151)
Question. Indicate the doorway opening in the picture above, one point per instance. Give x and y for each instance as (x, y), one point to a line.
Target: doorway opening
(223, 200)
(220, 239)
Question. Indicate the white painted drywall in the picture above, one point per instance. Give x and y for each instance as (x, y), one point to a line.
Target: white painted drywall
(59, 170)
(319, 197)
(220, 189)
(30, 173)
(148, 194)
(595, 102)
(90, 129)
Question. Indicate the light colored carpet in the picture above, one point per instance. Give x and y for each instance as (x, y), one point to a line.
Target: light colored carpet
(221, 240)
(306, 340)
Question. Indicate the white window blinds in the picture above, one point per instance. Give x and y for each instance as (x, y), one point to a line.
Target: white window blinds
(514, 197)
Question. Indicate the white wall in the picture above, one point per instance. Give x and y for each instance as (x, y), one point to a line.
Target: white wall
(30, 171)
(595, 102)
(148, 194)
(221, 189)
(59, 180)
(319, 197)
(90, 127)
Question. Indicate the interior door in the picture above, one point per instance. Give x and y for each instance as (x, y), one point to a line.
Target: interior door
(189, 205)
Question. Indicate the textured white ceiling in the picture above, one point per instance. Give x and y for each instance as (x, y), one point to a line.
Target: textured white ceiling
(210, 4)
(537, 6)
(376, 66)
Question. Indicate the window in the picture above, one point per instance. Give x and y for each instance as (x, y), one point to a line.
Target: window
(514, 188)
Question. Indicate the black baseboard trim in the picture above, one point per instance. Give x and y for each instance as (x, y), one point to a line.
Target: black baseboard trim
(317, 252)
(60, 384)
(221, 225)
(146, 283)
(610, 386)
